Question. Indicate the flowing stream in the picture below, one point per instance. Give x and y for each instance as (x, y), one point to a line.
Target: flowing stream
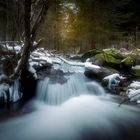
(69, 106)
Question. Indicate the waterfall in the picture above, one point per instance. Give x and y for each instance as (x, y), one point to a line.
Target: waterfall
(75, 85)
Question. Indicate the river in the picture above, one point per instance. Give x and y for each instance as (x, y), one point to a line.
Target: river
(69, 106)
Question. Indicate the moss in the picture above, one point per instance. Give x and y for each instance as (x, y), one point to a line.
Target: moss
(136, 71)
(90, 54)
(110, 56)
(128, 61)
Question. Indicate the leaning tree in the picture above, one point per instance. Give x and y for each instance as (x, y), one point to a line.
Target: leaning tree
(29, 15)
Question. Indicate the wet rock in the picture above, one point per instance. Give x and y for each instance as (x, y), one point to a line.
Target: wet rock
(57, 76)
(136, 71)
(114, 82)
(90, 54)
(110, 57)
(128, 61)
(97, 74)
(126, 64)
(133, 92)
(96, 61)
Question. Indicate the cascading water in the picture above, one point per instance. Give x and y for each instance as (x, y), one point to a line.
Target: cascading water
(75, 85)
(80, 115)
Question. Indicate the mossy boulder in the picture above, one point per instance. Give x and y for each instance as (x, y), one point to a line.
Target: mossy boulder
(98, 74)
(110, 57)
(128, 61)
(136, 71)
(126, 64)
(96, 61)
(90, 54)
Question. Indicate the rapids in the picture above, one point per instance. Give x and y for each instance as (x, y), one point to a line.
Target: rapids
(75, 109)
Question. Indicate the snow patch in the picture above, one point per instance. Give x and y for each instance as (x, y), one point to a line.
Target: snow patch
(91, 66)
(133, 91)
(113, 80)
(134, 85)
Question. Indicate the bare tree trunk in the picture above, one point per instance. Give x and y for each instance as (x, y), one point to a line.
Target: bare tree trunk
(27, 44)
(29, 34)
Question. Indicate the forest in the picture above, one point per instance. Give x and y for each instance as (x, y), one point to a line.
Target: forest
(70, 68)
(70, 24)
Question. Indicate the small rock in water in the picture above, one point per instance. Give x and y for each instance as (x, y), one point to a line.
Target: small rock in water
(112, 81)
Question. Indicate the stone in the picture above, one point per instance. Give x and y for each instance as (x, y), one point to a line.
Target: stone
(136, 71)
(97, 74)
(110, 56)
(90, 54)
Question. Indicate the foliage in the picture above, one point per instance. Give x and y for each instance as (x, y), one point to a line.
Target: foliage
(76, 26)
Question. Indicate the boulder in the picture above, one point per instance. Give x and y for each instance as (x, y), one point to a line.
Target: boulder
(111, 81)
(96, 61)
(90, 54)
(136, 71)
(110, 57)
(128, 61)
(133, 91)
(96, 72)
(114, 82)
(126, 64)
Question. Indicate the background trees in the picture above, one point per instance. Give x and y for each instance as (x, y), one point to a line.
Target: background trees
(11, 19)
(128, 19)
(73, 25)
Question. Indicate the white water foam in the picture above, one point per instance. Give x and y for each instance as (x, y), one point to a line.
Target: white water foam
(81, 118)
(57, 93)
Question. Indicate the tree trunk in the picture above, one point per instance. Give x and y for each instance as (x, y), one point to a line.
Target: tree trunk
(27, 43)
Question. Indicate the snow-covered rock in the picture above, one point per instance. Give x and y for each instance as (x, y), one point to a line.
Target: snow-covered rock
(133, 91)
(90, 66)
(95, 71)
(134, 85)
(134, 95)
(14, 46)
(113, 80)
(39, 58)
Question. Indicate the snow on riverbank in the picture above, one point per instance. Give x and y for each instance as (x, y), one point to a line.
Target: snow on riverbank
(41, 57)
(133, 91)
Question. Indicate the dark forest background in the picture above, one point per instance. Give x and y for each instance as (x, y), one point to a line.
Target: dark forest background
(75, 25)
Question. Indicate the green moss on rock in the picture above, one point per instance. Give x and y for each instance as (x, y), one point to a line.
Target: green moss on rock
(128, 61)
(90, 54)
(110, 56)
(136, 71)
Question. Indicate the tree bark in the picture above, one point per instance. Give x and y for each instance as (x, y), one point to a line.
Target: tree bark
(27, 43)
(29, 35)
